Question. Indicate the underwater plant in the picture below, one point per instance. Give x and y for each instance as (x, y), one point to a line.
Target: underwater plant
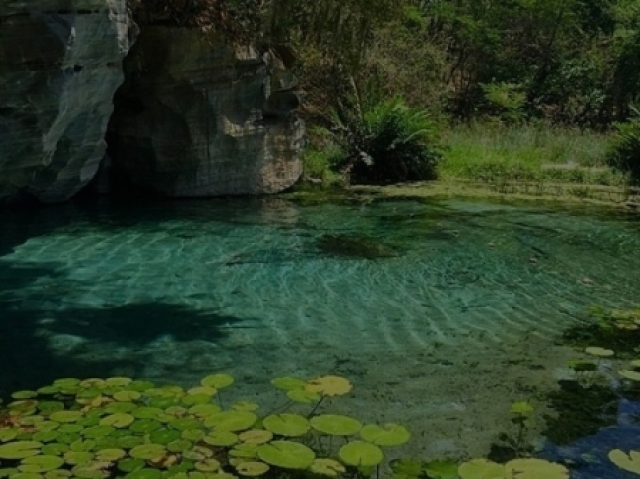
(124, 428)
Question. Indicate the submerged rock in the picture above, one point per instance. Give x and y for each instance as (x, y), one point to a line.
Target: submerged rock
(197, 117)
(60, 65)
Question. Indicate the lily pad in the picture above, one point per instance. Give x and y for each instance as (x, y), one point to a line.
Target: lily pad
(72, 457)
(127, 396)
(27, 475)
(20, 449)
(359, 453)
(55, 449)
(39, 464)
(231, 421)
(145, 426)
(221, 438)
(195, 399)
(289, 383)
(481, 469)
(119, 420)
(327, 467)
(147, 451)
(599, 352)
(252, 468)
(66, 416)
(521, 407)
(140, 386)
(441, 470)
(303, 396)
(145, 473)
(192, 434)
(290, 425)
(245, 450)
(131, 465)
(256, 436)
(58, 474)
(286, 454)
(629, 462)
(7, 435)
(164, 436)
(535, 469)
(202, 390)
(387, 435)
(207, 465)
(204, 410)
(630, 375)
(120, 407)
(329, 386)
(24, 395)
(146, 412)
(82, 446)
(98, 431)
(336, 425)
(245, 406)
(218, 381)
(110, 455)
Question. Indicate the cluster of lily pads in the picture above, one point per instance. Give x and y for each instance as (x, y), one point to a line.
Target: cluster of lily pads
(119, 427)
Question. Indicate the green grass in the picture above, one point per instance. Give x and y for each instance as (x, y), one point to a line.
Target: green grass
(495, 153)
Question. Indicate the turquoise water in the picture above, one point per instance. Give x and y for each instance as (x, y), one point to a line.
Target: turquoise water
(460, 316)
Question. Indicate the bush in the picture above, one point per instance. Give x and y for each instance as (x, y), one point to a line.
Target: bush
(386, 143)
(624, 152)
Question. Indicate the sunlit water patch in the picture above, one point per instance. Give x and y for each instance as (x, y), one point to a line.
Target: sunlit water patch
(440, 313)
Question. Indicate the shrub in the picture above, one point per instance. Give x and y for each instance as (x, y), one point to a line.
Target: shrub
(624, 152)
(386, 143)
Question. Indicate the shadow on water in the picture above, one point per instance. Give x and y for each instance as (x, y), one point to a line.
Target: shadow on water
(41, 340)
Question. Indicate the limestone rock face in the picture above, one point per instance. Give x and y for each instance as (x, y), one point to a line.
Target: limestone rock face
(196, 117)
(60, 65)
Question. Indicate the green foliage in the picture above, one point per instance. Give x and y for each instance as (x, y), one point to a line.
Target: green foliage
(385, 142)
(506, 101)
(624, 152)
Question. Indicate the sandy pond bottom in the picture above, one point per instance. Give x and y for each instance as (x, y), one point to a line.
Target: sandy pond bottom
(459, 316)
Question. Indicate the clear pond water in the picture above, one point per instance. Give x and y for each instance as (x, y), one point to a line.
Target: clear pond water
(460, 315)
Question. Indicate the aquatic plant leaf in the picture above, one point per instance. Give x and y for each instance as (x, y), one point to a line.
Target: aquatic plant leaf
(26, 475)
(303, 396)
(207, 465)
(24, 395)
(98, 431)
(206, 390)
(221, 475)
(179, 445)
(146, 473)
(481, 469)
(631, 375)
(245, 406)
(57, 474)
(193, 434)
(198, 453)
(118, 381)
(290, 425)
(7, 435)
(82, 446)
(256, 436)
(535, 469)
(66, 416)
(387, 435)
(231, 421)
(336, 425)
(245, 450)
(408, 467)
(599, 352)
(252, 468)
(635, 363)
(55, 449)
(441, 470)
(119, 420)
(49, 407)
(140, 386)
(48, 390)
(128, 442)
(629, 462)
(147, 451)
(7, 472)
(110, 455)
(359, 453)
(289, 383)
(218, 381)
(286, 454)
(45, 436)
(146, 412)
(127, 396)
(40, 464)
(327, 467)
(73, 457)
(120, 407)
(204, 410)
(521, 407)
(329, 386)
(145, 426)
(221, 438)
(130, 464)
(165, 436)
(185, 423)
(20, 449)
(194, 399)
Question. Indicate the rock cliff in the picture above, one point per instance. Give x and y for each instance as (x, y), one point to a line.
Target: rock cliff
(197, 117)
(60, 65)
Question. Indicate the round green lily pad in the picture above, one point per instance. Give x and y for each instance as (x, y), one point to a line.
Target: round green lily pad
(118, 420)
(328, 467)
(252, 468)
(24, 395)
(127, 396)
(68, 438)
(7, 435)
(58, 474)
(359, 453)
(82, 446)
(140, 386)
(20, 449)
(7, 472)
(256, 436)
(66, 416)
(198, 453)
(207, 465)
(387, 435)
(336, 425)
(145, 426)
(120, 407)
(146, 473)
(146, 412)
(202, 390)
(629, 462)
(48, 390)
(98, 431)
(479, 468)
(245, 406)
(193, 434)
(39, 464)
(289, 383)
(110, 455)
(290, 425)
(630, 375)
(535, 469)
(599, 352)
(118, 381)
(204, 410)
(49, 407)
(69, 429)
(221, 439)
(218, 381)
(180, 445)
(231, 420)
(185, 423)
(164, 436)
(27, 475)
(72, 457)
(194, 399)
(128, 442)
(286, 454)
(130, 464)
(147, 451)
(55, 449)
(45, 436)
(303, 396)
(245, 450)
